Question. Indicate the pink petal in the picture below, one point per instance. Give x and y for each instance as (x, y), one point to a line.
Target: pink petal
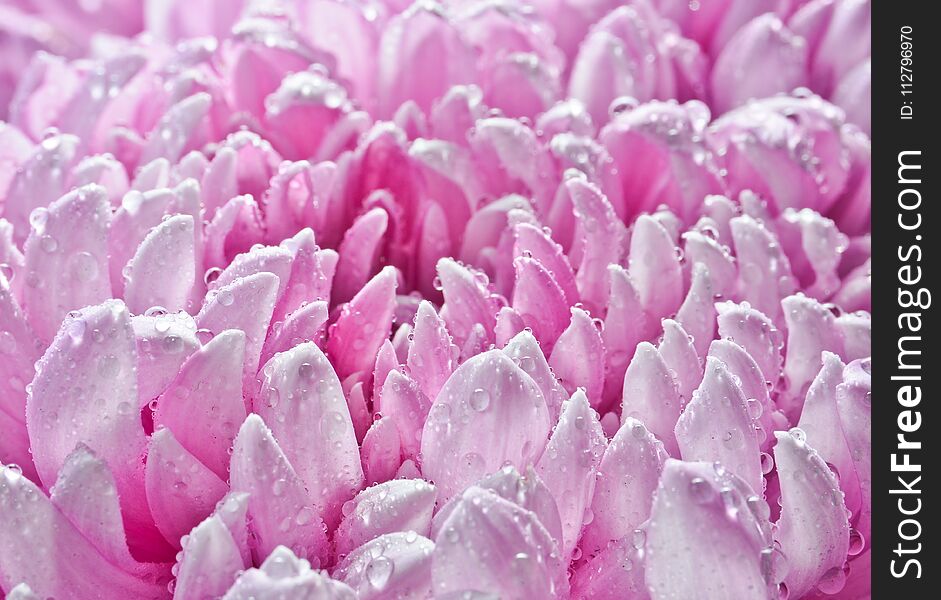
(284, 575)
(407, 72)
(767, 47)
(85, 494)
(716, 426)
(163, 270)
(578, 356)
(359, 411)
(680, 356)
(568, 466)
(694, 548)
(181, 490)
(279, 507)
(526, 491)
(654, 267)
(753, 331)
(820, 422)
(20, 349)
(386, 362)
(178, 130)
(813, 531)
(403, 401)
(540, 301)
(260, 259)
(764, 271)
(311, 275)
(247, 304)
(625, 325)
(58, 419)
(233, 229)
(616, 573)
(300, 395)
(489, 544)
(164, 342)
(359, 253)
(138, 214)
(599, 237)
(535, 242)
(363, 325)
(394, 506)
(210, 563)
(431, 355)
(382, 451)
(77, 569)
(14, 446)
(752, 383)
(306, 324)
(701, 248)
(650, 395)
(811, 329)
(467, 300)
(856, 329)
(697, 314)
(35, 185)
(394, 565)
(627, 479)
(525, 351)
(66, 258)
(203, 406)
(855, 406)
(490, 412)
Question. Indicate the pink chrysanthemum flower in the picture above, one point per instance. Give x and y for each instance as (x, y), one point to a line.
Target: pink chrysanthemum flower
(344, 299)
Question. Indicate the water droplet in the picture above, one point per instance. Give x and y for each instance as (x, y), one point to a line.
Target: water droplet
(701, 491)
(48, 243)
(798, 434)
(832, 581)
(226, 298)
(480, 399)
(767, 463)
(38, 219)
(84, 267)
(304, 516)
(857, 542)
(379, 571)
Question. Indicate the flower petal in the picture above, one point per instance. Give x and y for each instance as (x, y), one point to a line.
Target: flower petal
(164, 342)
(813, 531)
(703, 540)
(359, 253)
(650, 395)
(431, 355)
(489, 413)
(820, 422)
(568, 466)
(67, 258)
(284, 575)
(382, 451)
(680, 356)
(279, 508)
(392, 565)
(77, 569)
(363, 325)
(163, 270)
(627, 479)
(655, 268)
(394, 506)
(301, 395)
(210, 563)
(751, 381)
(764, 271)
(306, 324)
(403, 401)
(525, 351)
(203, 406)
(716, 426)
(489, 544)
(539, 301)
(467, 301)
(811, 329)
(245, 304)
(753, 331)
(616, 573)
(181, 490)
(104, 371)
